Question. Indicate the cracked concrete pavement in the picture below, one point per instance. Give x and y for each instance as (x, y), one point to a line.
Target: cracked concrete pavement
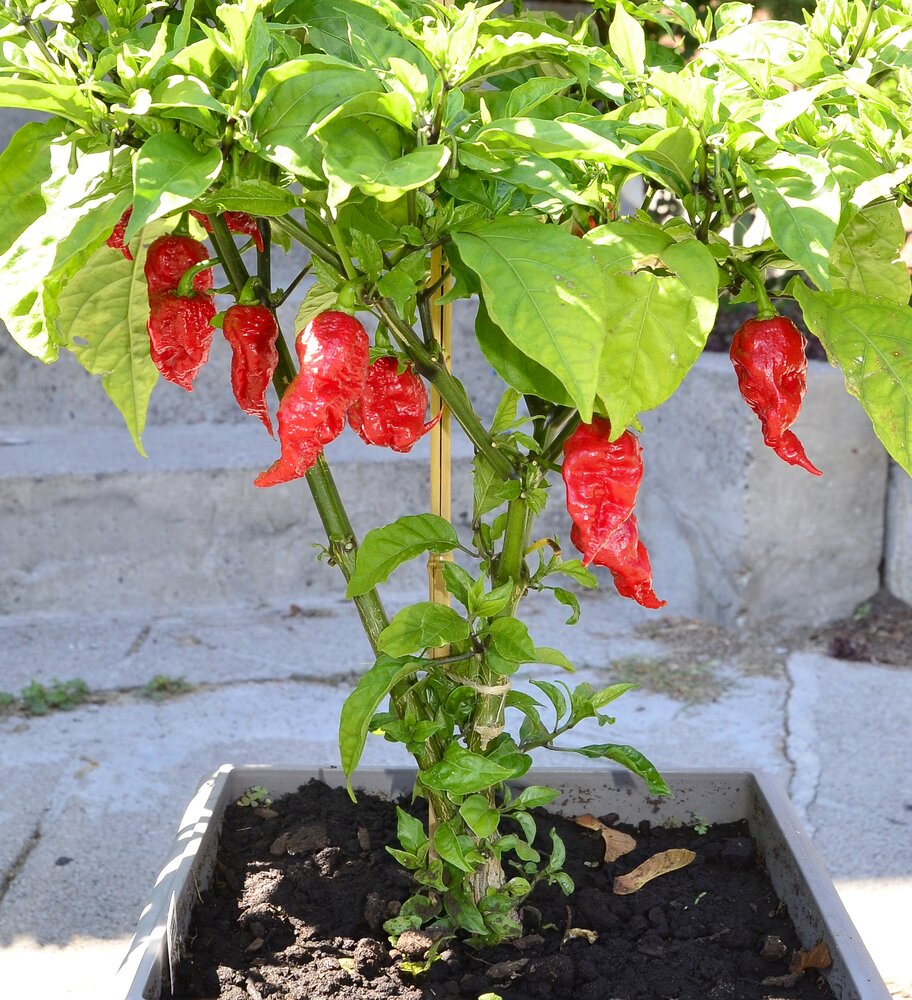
(92, 796)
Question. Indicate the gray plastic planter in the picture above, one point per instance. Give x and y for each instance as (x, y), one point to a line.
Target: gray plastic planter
(715, 796)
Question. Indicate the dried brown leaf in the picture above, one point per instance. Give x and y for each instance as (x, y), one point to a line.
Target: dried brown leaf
(658, 864)
(817, 958)
(617, 843)
(580, 932)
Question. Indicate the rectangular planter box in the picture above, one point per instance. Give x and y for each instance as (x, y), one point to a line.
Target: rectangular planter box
(715, 796)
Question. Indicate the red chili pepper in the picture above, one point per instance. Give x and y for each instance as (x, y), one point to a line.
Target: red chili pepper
(116, 240)
(169, 258)
(602, 478)
(390, 412)
(252, 331)
(333, 352)
(769, 360)
(237, 222)
(625, 555)
(180, 335)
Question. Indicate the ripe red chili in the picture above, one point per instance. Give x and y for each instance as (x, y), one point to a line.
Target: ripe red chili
(602, 478)
(252, 331)
(236, 222)
(116, 240)
(769, 360)
(169, 258)
(333, 353)
(390, 412)
(180, 335)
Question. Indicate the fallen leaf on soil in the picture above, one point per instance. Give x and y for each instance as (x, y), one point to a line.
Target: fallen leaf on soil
(658, 864)
(617, 843)
(580, 932)
(817, 958)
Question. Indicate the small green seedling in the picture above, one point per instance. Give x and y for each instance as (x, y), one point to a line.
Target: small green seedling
(256, 795)
(162, 686)
(58, 696)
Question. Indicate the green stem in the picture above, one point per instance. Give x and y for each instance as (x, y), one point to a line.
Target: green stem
(765, 308)
(862, 38)
(342, 251)
(296, 231)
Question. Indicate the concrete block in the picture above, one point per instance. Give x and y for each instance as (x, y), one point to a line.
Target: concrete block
(738, 537)
(898, 548)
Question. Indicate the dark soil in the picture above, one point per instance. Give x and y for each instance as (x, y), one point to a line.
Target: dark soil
(729, 318)
(880, 631)
(301, 890)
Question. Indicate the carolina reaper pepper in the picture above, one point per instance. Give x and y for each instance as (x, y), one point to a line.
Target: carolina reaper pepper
(333, 353)
(169, 258)
(236, 222)
(180, 335)
(769, 360)
(116, 240)
(602, 478)
(390, 411)
(251, 330)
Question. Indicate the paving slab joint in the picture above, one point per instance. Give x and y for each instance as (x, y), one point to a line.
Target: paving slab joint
(800, 752)
(19, 862)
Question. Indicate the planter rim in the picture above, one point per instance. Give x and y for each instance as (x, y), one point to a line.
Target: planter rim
(155, 943)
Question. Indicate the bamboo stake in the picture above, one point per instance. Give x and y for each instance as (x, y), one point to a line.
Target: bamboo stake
(441, 450)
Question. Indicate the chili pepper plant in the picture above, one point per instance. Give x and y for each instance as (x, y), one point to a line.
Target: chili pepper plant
(421, 154)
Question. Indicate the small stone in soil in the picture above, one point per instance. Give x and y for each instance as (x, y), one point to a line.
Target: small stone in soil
(772, 948)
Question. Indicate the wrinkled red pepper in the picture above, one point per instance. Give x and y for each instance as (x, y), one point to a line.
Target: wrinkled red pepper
(769, 360)
(251, 330)
(333, 353)
(236, 222)
(116, 240)
(390, 412)
(602, 478)
(169, 258)
(180, 335)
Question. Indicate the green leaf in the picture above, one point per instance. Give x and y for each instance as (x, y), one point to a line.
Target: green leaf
(505, 416)
(510, 638)
(558, 853)
(489, 488)
(447, 845)
(669, 156)
(383, 549)
(25, 166)
(609, 694)
(355, 156)
(522, 374)
(81, 208)
(632, 759)
(480, 818)
(493, 602)
(422, 626)
(66, 100)
(570, 600)
(103, 315)
(462, 772)
(871, 341)
(555, 695)
(458, 582)
(360, 705)
(318, 299)
(657, 328)
(543, 288)
(169, 172)
(256, 197)
(545, 654)
(534, 797)
(575, 569)
(799, 196)
(627, 40)
(409, 831)
(292, 97)
(555, 140)
(865, 256)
